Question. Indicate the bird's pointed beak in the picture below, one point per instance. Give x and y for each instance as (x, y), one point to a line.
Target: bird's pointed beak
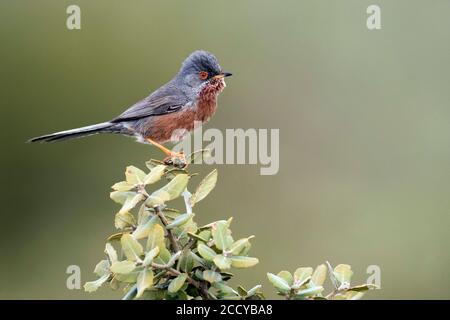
(223, 75)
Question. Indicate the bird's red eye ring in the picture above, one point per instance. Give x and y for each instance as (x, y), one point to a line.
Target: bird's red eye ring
(203, 75)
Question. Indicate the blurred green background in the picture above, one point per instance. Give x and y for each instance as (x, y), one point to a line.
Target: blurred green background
(364, 133)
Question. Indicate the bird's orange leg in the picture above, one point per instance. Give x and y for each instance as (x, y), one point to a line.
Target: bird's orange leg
(173, 158)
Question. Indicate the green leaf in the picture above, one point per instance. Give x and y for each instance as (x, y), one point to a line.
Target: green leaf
(241, 291)
(211, 276)
(301, 274)
(318, 277)
(180, 220)
(102, 268)
(343, 274)
(134, 175)
(155, 174)
(204, 188)
(237, 247)
(220, 234)
(122, 186)
(309, 292)
(254, 290)
(143, 230)
(197, 237)
(243, 262)
(351, 295)
(278, 283)
(287, 276)
(124, 220)
(222, 262)
(131, 247)
(221, 286)
(131, 202)
(153, 201)
(120, 196)
(164, 256)
(363, 287)
(123, 267)
(130, 277)
(173, 189)
(149, 256)
(186, 262)
(177, 283)
(94, 285)
(174, 258)
(155, 237)
(144, 281)
(111, 253)
(206, 252)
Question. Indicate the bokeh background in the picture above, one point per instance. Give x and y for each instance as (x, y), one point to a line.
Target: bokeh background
(364, 133)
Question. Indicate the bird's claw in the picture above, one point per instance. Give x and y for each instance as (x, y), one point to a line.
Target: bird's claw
(177, 160)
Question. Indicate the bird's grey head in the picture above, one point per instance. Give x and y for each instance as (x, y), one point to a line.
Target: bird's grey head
(200, 68)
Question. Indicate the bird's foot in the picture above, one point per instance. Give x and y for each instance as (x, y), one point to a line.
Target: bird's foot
(177, 160)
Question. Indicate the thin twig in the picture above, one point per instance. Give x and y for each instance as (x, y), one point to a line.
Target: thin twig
(176, 247)
(199, 285)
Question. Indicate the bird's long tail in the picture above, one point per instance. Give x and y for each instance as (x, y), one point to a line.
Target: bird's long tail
(78, 133)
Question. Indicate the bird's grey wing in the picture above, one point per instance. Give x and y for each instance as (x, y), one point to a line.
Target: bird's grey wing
(153, 105)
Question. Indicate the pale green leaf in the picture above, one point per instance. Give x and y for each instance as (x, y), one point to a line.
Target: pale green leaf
(343, 274)
(243, 262)
(221, 286)
(155, 237)
(122, 186)
(134, 175)
(124, 220)
(237, 247)
(211, 276)
(180, 220)
(130, 277)
(177, 283)
(309, 292)
(254, 290)
(131, 247)
(220, 234)
(131, 202)
(164, 256)
(123, 267)
(94, 285)
(144, 281)
(143, 230)
(173, 189)
(223, 263)
(155, 174)
(287, 276)
(301, 275)
(318, 277)
(278, 282)
(206, 252)
(149, 256)
(204, 188)
(102, 268)
(363, 287)
(121, 196)
(111, 252)
(186, 262)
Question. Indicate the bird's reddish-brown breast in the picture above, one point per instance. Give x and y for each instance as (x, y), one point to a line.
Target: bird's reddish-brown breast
(170, 127)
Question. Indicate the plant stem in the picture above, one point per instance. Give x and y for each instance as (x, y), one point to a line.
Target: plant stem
(175, 246)
(198, 284)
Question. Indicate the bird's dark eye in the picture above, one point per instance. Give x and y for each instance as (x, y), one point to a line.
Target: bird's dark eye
(203, 75)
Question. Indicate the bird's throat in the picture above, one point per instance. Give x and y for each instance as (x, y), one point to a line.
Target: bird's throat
(207, 99)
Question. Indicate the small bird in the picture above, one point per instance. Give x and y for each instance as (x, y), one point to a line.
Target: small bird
(168, 113)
